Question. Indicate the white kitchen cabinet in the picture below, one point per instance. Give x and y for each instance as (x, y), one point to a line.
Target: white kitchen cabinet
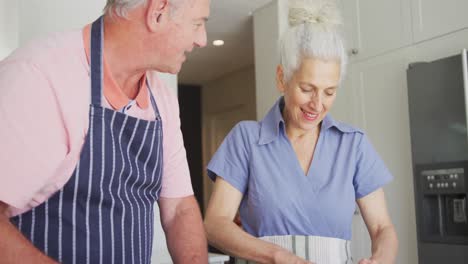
(374, 97)
(347, 108)
(373, 27)
(384, 99)
(432, 18)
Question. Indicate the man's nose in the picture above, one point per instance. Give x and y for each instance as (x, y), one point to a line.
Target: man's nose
(201, 38)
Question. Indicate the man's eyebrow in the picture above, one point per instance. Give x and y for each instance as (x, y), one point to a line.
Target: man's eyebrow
(202, 18)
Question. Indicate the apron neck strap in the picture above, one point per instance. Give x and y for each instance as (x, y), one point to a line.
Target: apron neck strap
(97, 73)
(97, 43)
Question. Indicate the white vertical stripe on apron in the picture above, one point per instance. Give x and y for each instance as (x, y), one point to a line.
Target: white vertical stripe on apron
(132, 224)
(110, 190)
(101, 194)
(60, 241)
(150, 246)
(133, 185)
(147, 249)
(141, 221)
(46, 228)
(118, 189)
(75, 194)
(20, 223)
(90, 175)
(32, 225)
(154, 170)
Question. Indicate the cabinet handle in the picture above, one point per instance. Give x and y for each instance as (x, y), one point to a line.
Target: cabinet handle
(354, 51)
(465, 83)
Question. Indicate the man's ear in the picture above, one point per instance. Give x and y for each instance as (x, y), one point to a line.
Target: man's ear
(280, 83)
(156, 11)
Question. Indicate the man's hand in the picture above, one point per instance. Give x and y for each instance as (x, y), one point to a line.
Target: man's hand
(14, 247)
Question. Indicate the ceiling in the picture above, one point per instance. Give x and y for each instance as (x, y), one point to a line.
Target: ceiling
(231, 21)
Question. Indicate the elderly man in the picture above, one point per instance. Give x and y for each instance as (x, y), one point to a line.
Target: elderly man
(91, 139)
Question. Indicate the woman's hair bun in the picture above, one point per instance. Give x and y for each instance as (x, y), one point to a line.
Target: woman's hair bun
(323, 12)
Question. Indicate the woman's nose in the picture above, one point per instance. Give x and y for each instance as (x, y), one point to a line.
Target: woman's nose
(316, 102)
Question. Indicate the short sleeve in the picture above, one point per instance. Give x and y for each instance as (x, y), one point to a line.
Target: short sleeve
(176, 181)
(231, 160)
(33, 136)
(371, 172)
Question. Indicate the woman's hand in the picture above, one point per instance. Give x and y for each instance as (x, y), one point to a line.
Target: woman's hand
(286, 257)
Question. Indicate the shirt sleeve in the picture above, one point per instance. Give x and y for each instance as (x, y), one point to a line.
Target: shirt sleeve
(33, 136)
(371, 172)
(176, 181)
(231, 160)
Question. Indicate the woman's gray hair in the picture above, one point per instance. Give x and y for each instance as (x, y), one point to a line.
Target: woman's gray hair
(121, 7)
(314, 32)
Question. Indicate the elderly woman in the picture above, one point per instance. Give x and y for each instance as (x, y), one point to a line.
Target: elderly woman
(295, 176)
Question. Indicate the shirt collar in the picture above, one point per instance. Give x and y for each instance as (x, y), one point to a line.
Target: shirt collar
(273, 121)
(113, 93)
(270, 124)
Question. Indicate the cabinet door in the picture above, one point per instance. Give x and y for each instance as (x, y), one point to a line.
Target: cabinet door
(382, 82)
(432, 18)
(376, 26)
(348, 106)
(349, 25)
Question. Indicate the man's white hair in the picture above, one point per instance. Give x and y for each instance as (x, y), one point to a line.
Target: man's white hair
(314, 32)
(121, 7)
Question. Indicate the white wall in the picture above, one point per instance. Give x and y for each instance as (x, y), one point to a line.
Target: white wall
(8, 27)
(24, 20)
(236, 87)
(269, 22)
(226, 101)
(266, 35)
(38, 17)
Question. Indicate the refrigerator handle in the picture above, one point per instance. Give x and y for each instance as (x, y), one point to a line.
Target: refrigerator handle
(465, 84)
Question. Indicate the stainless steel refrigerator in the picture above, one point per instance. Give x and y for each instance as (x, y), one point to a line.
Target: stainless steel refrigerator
(438, 108)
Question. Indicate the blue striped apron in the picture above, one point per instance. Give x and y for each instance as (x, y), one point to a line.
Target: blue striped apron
(104, 213)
